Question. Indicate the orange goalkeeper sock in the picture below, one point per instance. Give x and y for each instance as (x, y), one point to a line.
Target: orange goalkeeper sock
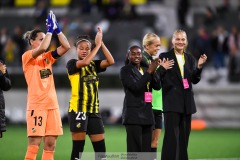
(47, 155)
(32, 151)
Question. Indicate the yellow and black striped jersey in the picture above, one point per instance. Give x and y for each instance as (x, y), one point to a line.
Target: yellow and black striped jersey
(84, 84)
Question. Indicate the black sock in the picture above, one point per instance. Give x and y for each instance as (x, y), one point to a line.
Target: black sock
(77, 149)
(100, 149)
(154, 153)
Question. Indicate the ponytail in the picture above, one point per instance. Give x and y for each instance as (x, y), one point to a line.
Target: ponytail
(31, 35)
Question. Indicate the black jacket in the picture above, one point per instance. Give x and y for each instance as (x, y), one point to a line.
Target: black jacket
(5, 84)
(135, 109)
(175, 97)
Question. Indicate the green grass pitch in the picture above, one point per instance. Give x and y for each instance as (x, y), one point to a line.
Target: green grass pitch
(205, 144)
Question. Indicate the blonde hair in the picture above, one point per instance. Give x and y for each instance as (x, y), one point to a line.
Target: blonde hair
(179, 31)
(148, 39)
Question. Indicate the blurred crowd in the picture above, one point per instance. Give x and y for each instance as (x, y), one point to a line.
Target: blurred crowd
(210, 35)
(218, 35)
(12, 46)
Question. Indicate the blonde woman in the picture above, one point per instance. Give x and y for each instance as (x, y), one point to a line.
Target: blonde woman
(151, 45)
(178, 99)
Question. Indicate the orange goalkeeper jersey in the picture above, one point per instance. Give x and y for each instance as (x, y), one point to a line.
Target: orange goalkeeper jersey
(39, 78)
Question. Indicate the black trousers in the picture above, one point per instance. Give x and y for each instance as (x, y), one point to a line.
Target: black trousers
(139, 138)
(177, 131)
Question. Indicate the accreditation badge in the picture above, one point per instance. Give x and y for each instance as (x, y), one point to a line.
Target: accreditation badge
(185, 83)
(148, 96)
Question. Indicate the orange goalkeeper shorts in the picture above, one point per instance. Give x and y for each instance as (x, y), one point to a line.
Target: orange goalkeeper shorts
(44, 122)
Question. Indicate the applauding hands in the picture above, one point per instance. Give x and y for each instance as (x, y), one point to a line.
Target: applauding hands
(56, 26)
(52, 24)
(202, 60)
(98, 38)
(166, 63)
(153, 66)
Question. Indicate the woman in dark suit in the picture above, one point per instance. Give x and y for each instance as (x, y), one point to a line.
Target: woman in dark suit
(137, 116)
(178, 100)
(5, 85)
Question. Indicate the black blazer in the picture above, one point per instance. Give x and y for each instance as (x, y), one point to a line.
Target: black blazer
(5, 85)
(175, 97)
(135, 109)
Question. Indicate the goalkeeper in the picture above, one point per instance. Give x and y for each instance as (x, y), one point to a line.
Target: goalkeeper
(43, 116)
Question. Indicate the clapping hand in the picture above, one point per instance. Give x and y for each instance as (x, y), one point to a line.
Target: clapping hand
(3, 68)
(98, 38)
(55, 23)
(50, 23)
(153, 66)
(202, 60)
(166, 63)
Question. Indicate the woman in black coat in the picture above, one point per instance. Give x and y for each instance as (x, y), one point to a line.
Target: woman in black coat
(178, 97)
(138, 81)
(5, 85)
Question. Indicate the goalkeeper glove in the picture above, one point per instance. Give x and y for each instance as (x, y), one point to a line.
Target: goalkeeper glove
(56, 26)
(50, 24)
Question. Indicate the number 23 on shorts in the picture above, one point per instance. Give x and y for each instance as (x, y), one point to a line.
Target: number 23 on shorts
(81, 116)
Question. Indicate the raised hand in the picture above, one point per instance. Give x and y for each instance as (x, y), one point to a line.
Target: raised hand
(202, 60)
(98, 38)
(50, 23)
(3, 68)
(56, 26)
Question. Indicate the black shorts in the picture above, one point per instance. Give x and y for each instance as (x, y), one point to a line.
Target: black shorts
(91, 123)
(158, 119)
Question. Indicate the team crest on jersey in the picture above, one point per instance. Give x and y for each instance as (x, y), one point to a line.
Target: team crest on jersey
(78, 125)
(33, 130)
(44, 73)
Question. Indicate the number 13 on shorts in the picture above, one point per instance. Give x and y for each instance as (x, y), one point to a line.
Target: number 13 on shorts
(36, 122)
